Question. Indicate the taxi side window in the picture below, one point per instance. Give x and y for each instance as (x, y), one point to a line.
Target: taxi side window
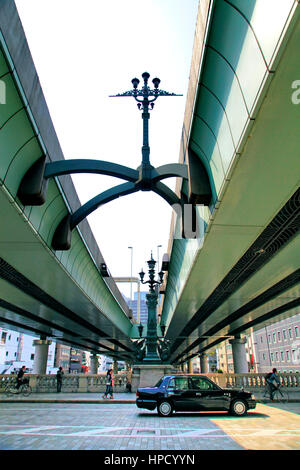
(199, 383)
(179, 384)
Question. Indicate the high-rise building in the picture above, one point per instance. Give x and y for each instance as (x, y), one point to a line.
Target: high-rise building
(138, 307)
(143, 307)
(62, 356)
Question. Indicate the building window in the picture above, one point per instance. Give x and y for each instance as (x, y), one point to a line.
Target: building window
(284, 334)
(279, 336)
(269, 338)
(297, 331)
(272, 357)
(32, 357)
(287, 355)
(261, 339)
(290, 333)
(282, 356)
(3, 337)
(274, 337)
(277, 357)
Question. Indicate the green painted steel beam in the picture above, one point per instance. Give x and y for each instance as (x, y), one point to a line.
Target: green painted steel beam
(100, 167)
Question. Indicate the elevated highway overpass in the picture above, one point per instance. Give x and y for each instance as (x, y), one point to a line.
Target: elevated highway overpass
(55, 294)
(242, 123)
(241, 128)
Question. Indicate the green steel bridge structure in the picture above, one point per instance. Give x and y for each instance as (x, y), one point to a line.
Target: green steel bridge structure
(238, 170)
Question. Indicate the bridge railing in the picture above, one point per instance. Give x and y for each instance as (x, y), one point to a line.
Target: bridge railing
(84, 383)
(79, 383)
(255, 381)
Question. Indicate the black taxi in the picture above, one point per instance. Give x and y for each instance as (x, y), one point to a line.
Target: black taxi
(193, 393)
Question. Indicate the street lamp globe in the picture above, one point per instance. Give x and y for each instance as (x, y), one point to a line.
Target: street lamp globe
(135, 82)
(156, 82)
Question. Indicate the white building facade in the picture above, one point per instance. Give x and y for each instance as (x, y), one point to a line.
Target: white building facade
(16, 349)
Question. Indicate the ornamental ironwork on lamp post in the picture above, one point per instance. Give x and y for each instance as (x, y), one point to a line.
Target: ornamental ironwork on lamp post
(145, 98)
(151, 345)
(33, 187)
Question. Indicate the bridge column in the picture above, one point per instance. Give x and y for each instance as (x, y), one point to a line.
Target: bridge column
(239, 355)
(41, 355)
(204, 367)
(94, 364)
(115, 367)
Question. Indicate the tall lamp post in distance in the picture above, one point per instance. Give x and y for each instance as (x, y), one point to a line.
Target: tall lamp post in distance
(131, 248)
(158, 247)
(151, 355)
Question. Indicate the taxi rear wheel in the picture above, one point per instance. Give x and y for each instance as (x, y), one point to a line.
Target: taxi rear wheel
(165, 408)
(238, 408)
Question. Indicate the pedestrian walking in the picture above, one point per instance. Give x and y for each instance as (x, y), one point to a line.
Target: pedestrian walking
(129, 378)
(109, 385)
(59, 377)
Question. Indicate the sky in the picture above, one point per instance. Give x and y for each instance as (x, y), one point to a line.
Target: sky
(84, 52)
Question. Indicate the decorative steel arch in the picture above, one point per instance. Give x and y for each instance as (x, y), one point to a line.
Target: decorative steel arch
(33, 188)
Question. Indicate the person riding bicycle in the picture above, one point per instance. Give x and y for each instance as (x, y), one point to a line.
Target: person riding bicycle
(271, 379)
(20, 379)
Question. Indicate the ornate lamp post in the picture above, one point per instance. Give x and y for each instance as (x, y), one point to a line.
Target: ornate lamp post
(33, 188)
(145, 98)
(151, 340)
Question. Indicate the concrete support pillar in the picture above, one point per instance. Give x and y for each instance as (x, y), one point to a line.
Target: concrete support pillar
(41, 355)
(190, 366)
(94, 364)
(239, 355)
(204, 367)
(115, 367)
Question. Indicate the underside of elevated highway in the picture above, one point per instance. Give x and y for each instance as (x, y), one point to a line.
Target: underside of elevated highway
(242, 270)
(61, 295)
(241, 267)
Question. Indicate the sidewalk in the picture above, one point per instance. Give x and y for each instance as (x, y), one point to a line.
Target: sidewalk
(125, 398)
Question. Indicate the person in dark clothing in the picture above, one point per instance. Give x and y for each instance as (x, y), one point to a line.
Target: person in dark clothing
(129, 379)
(59, 377)
(20, 379)
(109, 384)
(273, 382)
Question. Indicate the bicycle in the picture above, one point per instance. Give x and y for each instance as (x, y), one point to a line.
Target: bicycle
(24, 389)
(280, 394)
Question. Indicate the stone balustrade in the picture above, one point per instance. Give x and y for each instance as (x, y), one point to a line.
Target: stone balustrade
(79, 383)
(254, 381)
(85, 383)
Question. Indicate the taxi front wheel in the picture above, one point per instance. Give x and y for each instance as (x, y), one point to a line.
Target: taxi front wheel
(238, 408)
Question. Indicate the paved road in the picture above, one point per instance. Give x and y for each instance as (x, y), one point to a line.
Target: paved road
(113, 426)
